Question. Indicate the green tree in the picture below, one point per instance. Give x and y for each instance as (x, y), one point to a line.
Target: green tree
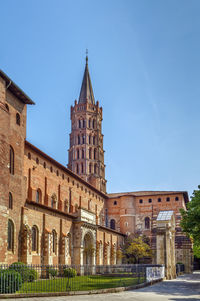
(196, 250)
(136, 248)
(190, 222)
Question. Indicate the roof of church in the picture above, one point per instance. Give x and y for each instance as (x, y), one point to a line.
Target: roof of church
(86, 93)
(147, 193)
(12, 87)
(65, 169)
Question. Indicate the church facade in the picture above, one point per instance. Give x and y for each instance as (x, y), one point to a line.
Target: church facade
(52, 214)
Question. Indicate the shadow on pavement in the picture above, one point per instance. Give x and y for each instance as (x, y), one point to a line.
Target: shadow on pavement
(184, 299)
(184, 285)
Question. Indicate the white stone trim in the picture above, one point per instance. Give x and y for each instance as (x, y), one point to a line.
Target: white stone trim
(127, 215)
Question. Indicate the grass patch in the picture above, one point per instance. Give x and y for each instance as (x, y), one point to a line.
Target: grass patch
(78, 283)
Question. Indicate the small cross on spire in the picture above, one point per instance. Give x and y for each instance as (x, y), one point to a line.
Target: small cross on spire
(86, 55)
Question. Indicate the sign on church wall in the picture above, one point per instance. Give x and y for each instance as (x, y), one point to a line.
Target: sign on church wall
(88, 217)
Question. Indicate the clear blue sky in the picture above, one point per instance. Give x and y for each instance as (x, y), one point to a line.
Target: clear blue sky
(144, 61)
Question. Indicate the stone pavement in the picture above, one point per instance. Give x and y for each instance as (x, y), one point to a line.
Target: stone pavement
(185, 287)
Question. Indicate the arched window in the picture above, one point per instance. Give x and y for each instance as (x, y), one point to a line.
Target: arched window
(77, 168)
(94, 140)
(106, 217)
(52, 201)
(10, 235)
(37, 160)
(79, 123)
(90, 168)
(90, 139)
(10, 203)
(17, 119)
(77, 154)
(90, 153)
(83, 123)
(38, 196)
(83, 139)
(82, 153)
(12, 159)
(112, 224)
(44, 164)
(29, 156)
(70, 199)
(147, 222)
(82, 169)
(95, 152)
(54, 241)
(95, 168)
(93, 123)
(34, 233)
(79, 140)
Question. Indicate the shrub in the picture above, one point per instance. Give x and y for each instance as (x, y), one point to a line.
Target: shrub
(69, 272)
(31, 275)
(10, 281)
(27, 274)
(53, 272)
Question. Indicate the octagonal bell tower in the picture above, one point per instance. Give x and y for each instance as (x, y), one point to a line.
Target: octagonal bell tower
(86, 154)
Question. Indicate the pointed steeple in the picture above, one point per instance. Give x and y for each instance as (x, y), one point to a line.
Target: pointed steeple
(86, 93)
(86, 154)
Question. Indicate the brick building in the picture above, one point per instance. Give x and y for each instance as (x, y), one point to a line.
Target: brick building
(52, 214)
(137, 212)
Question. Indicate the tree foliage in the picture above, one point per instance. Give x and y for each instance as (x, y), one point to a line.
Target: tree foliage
(190, 222)
(196, 250)
(136, 248)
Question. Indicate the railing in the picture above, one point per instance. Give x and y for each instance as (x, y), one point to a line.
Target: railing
(30, 279)
(196, 266)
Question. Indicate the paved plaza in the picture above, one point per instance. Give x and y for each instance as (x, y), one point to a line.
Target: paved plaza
(185, 287)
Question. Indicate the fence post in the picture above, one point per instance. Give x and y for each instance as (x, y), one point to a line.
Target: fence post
(145, 273)
(137, 273)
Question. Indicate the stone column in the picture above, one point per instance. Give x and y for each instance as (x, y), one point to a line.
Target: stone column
(160, 247)
(165, 245)
(26, 255)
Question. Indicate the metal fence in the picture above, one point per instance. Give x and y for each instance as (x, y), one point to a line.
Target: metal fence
(20, 278)
(196, 265)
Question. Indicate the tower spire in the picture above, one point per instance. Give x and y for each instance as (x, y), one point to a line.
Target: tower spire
(86, 93)
(86, 154)
(86, 57)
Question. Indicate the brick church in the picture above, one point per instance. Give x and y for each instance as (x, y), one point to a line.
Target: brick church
(53, 214)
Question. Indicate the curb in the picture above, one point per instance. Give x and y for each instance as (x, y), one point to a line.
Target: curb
(77, 293)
